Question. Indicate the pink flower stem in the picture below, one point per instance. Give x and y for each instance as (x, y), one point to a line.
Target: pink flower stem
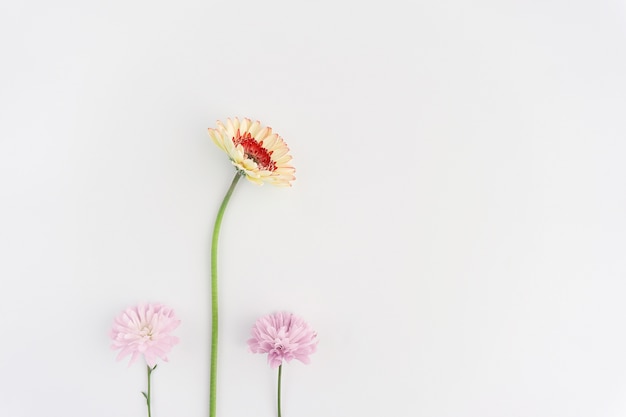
(147, 395)
(280, 378)
(214, 305)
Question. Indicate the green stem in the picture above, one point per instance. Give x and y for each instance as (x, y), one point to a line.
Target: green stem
(280, 378)
(214, 305)
(148, 394)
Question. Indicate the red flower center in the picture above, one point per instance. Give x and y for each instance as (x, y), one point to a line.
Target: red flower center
(254, 150)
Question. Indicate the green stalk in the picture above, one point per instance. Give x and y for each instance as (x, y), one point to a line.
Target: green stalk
(147, 395)
(214, 305)
(280, 378)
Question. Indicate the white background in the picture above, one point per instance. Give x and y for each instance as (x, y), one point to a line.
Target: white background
(456, 233)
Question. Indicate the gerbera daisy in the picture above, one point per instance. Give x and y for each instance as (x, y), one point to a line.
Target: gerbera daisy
(261, 156)
(257, 152)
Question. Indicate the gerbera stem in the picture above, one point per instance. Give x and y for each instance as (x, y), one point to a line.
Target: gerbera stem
(214, 305)
(147, 395)
(280, 378)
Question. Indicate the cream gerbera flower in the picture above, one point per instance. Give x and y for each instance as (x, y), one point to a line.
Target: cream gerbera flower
(255, 151)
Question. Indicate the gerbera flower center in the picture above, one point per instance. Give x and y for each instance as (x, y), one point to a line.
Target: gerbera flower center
(254, 150)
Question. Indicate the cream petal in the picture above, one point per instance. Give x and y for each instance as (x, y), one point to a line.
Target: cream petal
(250, 165)
(254, 180)
(280, 152)
(237, 124)
(241, 167)
(245, 125)
(254, 128)
(262, 134)
(239, 154)
(283, 159)
(230, 127)
(230, 146)
(270, 142)
(217, 138)
(219, 124)
(282, 178)
(285, 170)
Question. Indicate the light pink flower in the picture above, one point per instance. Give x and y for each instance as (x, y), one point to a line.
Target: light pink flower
(144, 330)
(283, 336)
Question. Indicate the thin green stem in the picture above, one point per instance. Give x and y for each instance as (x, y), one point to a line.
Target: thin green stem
(148, 395)
(280, 379)
(214, 305)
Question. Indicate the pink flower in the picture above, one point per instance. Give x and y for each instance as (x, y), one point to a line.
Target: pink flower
(144, 330)
(283, 336)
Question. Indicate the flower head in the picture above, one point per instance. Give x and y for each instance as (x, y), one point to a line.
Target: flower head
(283, 336)
(255, 151)
(144, 330)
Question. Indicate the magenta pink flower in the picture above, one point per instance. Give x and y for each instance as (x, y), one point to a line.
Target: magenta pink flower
(144, 330)
(283, 336)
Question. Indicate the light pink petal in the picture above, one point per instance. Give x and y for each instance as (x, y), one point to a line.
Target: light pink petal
(283, 337)
(144, 330)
